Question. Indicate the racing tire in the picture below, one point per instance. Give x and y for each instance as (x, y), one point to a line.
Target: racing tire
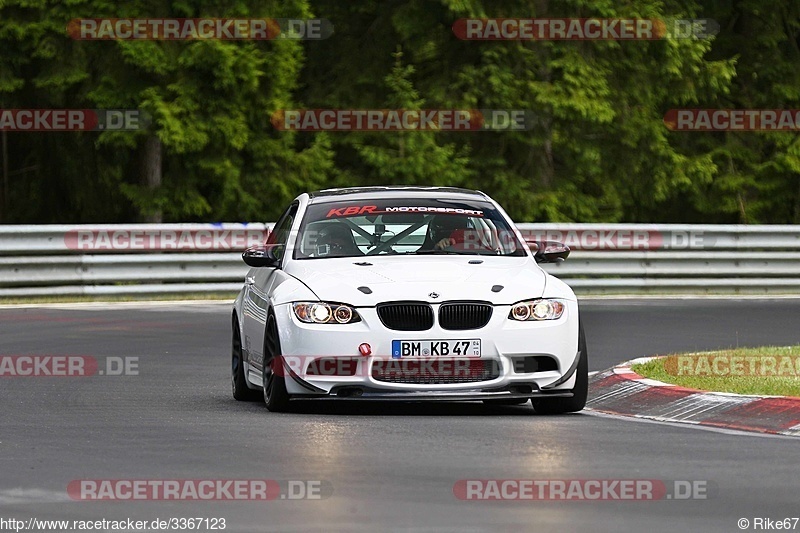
(556, 406)
(239, 387)
(274, 383)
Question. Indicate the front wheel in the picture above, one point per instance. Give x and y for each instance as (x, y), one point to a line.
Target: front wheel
(274, 384)
(554, 406)
(239, 387)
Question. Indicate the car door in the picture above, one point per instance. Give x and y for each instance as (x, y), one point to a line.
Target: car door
(258, 286)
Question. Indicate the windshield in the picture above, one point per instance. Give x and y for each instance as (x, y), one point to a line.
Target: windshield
(404, 226)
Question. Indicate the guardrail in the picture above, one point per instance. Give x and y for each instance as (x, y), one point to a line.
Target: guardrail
(52, 260)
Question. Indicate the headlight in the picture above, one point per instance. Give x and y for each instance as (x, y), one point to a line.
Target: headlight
(537, 310)
(325, 313)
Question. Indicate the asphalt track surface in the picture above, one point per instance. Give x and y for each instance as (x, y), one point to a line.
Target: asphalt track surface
(385, 467)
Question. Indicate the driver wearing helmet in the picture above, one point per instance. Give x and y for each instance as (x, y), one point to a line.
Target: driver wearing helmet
(336, 240)
(444, 231)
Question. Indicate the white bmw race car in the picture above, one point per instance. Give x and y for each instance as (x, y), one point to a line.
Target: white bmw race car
(405, 294)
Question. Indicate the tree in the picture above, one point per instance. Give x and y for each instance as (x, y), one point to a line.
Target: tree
(598, 150)
(208, 152)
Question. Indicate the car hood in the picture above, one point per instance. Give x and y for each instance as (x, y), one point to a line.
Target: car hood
(417, 277)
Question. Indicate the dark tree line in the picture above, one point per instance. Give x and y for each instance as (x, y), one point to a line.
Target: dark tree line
(599, 150)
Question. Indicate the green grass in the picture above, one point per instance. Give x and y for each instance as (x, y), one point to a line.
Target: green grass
(752, 374)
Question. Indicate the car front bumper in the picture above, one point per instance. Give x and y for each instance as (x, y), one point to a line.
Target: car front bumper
(503, 343)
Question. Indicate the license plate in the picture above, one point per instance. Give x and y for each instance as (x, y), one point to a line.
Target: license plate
(459, 348)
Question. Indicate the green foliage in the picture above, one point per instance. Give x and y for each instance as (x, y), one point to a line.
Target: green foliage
(598, 149)
(411, 157)
(208, 101)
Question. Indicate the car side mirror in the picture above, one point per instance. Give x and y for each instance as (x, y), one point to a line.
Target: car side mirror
(267, 255)
(551, 252)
